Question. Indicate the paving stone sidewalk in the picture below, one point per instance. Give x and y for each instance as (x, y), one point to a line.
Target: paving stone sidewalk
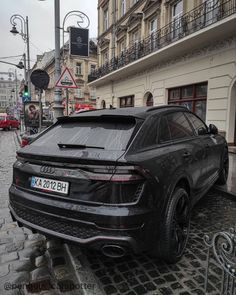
(20, 249)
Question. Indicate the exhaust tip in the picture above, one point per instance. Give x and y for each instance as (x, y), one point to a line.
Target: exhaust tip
(113, 251)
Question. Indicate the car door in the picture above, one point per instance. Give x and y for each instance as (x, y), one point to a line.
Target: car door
(186, 150)
(211, 148)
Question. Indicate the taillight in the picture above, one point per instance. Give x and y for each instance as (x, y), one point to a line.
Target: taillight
(113, 185)
(117, 174)
(24, 142)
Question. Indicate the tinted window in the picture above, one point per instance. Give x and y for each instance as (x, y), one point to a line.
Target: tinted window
(108, 135)
(179, 126)
(197, 123)
(164, 132)
(148, 134)
(2, 118)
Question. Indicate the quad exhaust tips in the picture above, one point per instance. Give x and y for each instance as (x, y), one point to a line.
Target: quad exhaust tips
(113, 251)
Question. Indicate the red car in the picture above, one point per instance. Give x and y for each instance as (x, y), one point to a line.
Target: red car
(7, 122)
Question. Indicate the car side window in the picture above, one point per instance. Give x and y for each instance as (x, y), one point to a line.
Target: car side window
(179, 126)
(197, 123)
(164, 132)
(148, 135)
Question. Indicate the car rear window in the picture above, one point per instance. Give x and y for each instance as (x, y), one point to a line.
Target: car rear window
(110, 135)
(2, 118)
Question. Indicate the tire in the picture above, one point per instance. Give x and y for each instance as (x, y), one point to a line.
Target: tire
(174, 231)
(224, 169)
(9, 128)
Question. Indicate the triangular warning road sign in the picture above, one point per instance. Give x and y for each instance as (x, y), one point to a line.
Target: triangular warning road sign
(66, 80)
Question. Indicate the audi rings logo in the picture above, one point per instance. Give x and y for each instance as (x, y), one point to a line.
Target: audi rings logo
(47, 169)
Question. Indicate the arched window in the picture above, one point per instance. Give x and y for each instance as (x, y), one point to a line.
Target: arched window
(149, 100)
(103, 104)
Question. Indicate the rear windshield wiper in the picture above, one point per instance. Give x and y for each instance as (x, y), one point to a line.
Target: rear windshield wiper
(77, 146)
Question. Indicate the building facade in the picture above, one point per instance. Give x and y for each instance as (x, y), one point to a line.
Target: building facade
(9, 94)
(154, 52)
(80, 67)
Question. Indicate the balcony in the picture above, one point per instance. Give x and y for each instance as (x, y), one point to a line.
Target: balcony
(205, 24)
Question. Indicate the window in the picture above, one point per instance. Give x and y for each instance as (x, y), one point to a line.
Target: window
(127, 101)
(177, 11)
(106, 20)
(103, 104)
(197, 123)
(121, 46)
(135, 37)
(179, 126)
(149, 101)
(193, 97)
(123, 7)
(164, 132)
(78, 69)
(105, 58)
(79, 93)
(93, 94)
(211, 10)
(106, 133)
(153, 26)
(92, 68)
(152, 32)
(148, 135)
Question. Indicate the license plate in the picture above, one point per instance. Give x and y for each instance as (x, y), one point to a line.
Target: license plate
(50, 185)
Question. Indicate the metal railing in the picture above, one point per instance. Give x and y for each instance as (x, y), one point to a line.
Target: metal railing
(209, 12)
(223, 246)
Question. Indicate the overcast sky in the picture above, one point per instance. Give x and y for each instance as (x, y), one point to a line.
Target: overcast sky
(41, 26)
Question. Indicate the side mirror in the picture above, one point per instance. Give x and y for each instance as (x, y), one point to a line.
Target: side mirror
(213, 129)
(202, 131)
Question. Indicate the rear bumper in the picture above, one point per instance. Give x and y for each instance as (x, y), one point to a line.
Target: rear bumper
(44, 215)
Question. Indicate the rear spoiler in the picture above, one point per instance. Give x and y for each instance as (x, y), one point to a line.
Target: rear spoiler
(120, 118)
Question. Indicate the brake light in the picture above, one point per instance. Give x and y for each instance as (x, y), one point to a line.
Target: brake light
(117, 174)
(24, 142)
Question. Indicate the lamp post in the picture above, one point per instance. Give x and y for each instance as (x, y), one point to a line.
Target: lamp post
(83, 22)
(58, 108)
(24, 32)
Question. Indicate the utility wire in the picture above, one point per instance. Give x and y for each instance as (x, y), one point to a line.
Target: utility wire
(36, 47)
(5, 57)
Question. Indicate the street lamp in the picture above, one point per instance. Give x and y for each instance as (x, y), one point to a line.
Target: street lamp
(24, 32)
(20, 65)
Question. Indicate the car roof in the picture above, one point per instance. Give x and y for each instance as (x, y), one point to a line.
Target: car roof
(137, 112)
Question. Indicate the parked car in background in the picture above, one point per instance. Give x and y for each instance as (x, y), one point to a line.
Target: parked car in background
(27, 138)
(7, 122)
(119, 179)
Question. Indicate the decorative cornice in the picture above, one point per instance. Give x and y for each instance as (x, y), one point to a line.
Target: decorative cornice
(150, 4)
(134, 17)
(121, 29)
(104, 41)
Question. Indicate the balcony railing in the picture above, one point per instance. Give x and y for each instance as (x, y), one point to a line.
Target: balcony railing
(209, 12)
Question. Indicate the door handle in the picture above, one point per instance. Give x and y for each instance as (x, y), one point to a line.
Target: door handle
(186, 155)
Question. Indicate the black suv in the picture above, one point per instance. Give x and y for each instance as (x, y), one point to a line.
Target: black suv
(119, 179)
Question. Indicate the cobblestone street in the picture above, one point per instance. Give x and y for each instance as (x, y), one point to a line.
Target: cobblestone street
(65, 269)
